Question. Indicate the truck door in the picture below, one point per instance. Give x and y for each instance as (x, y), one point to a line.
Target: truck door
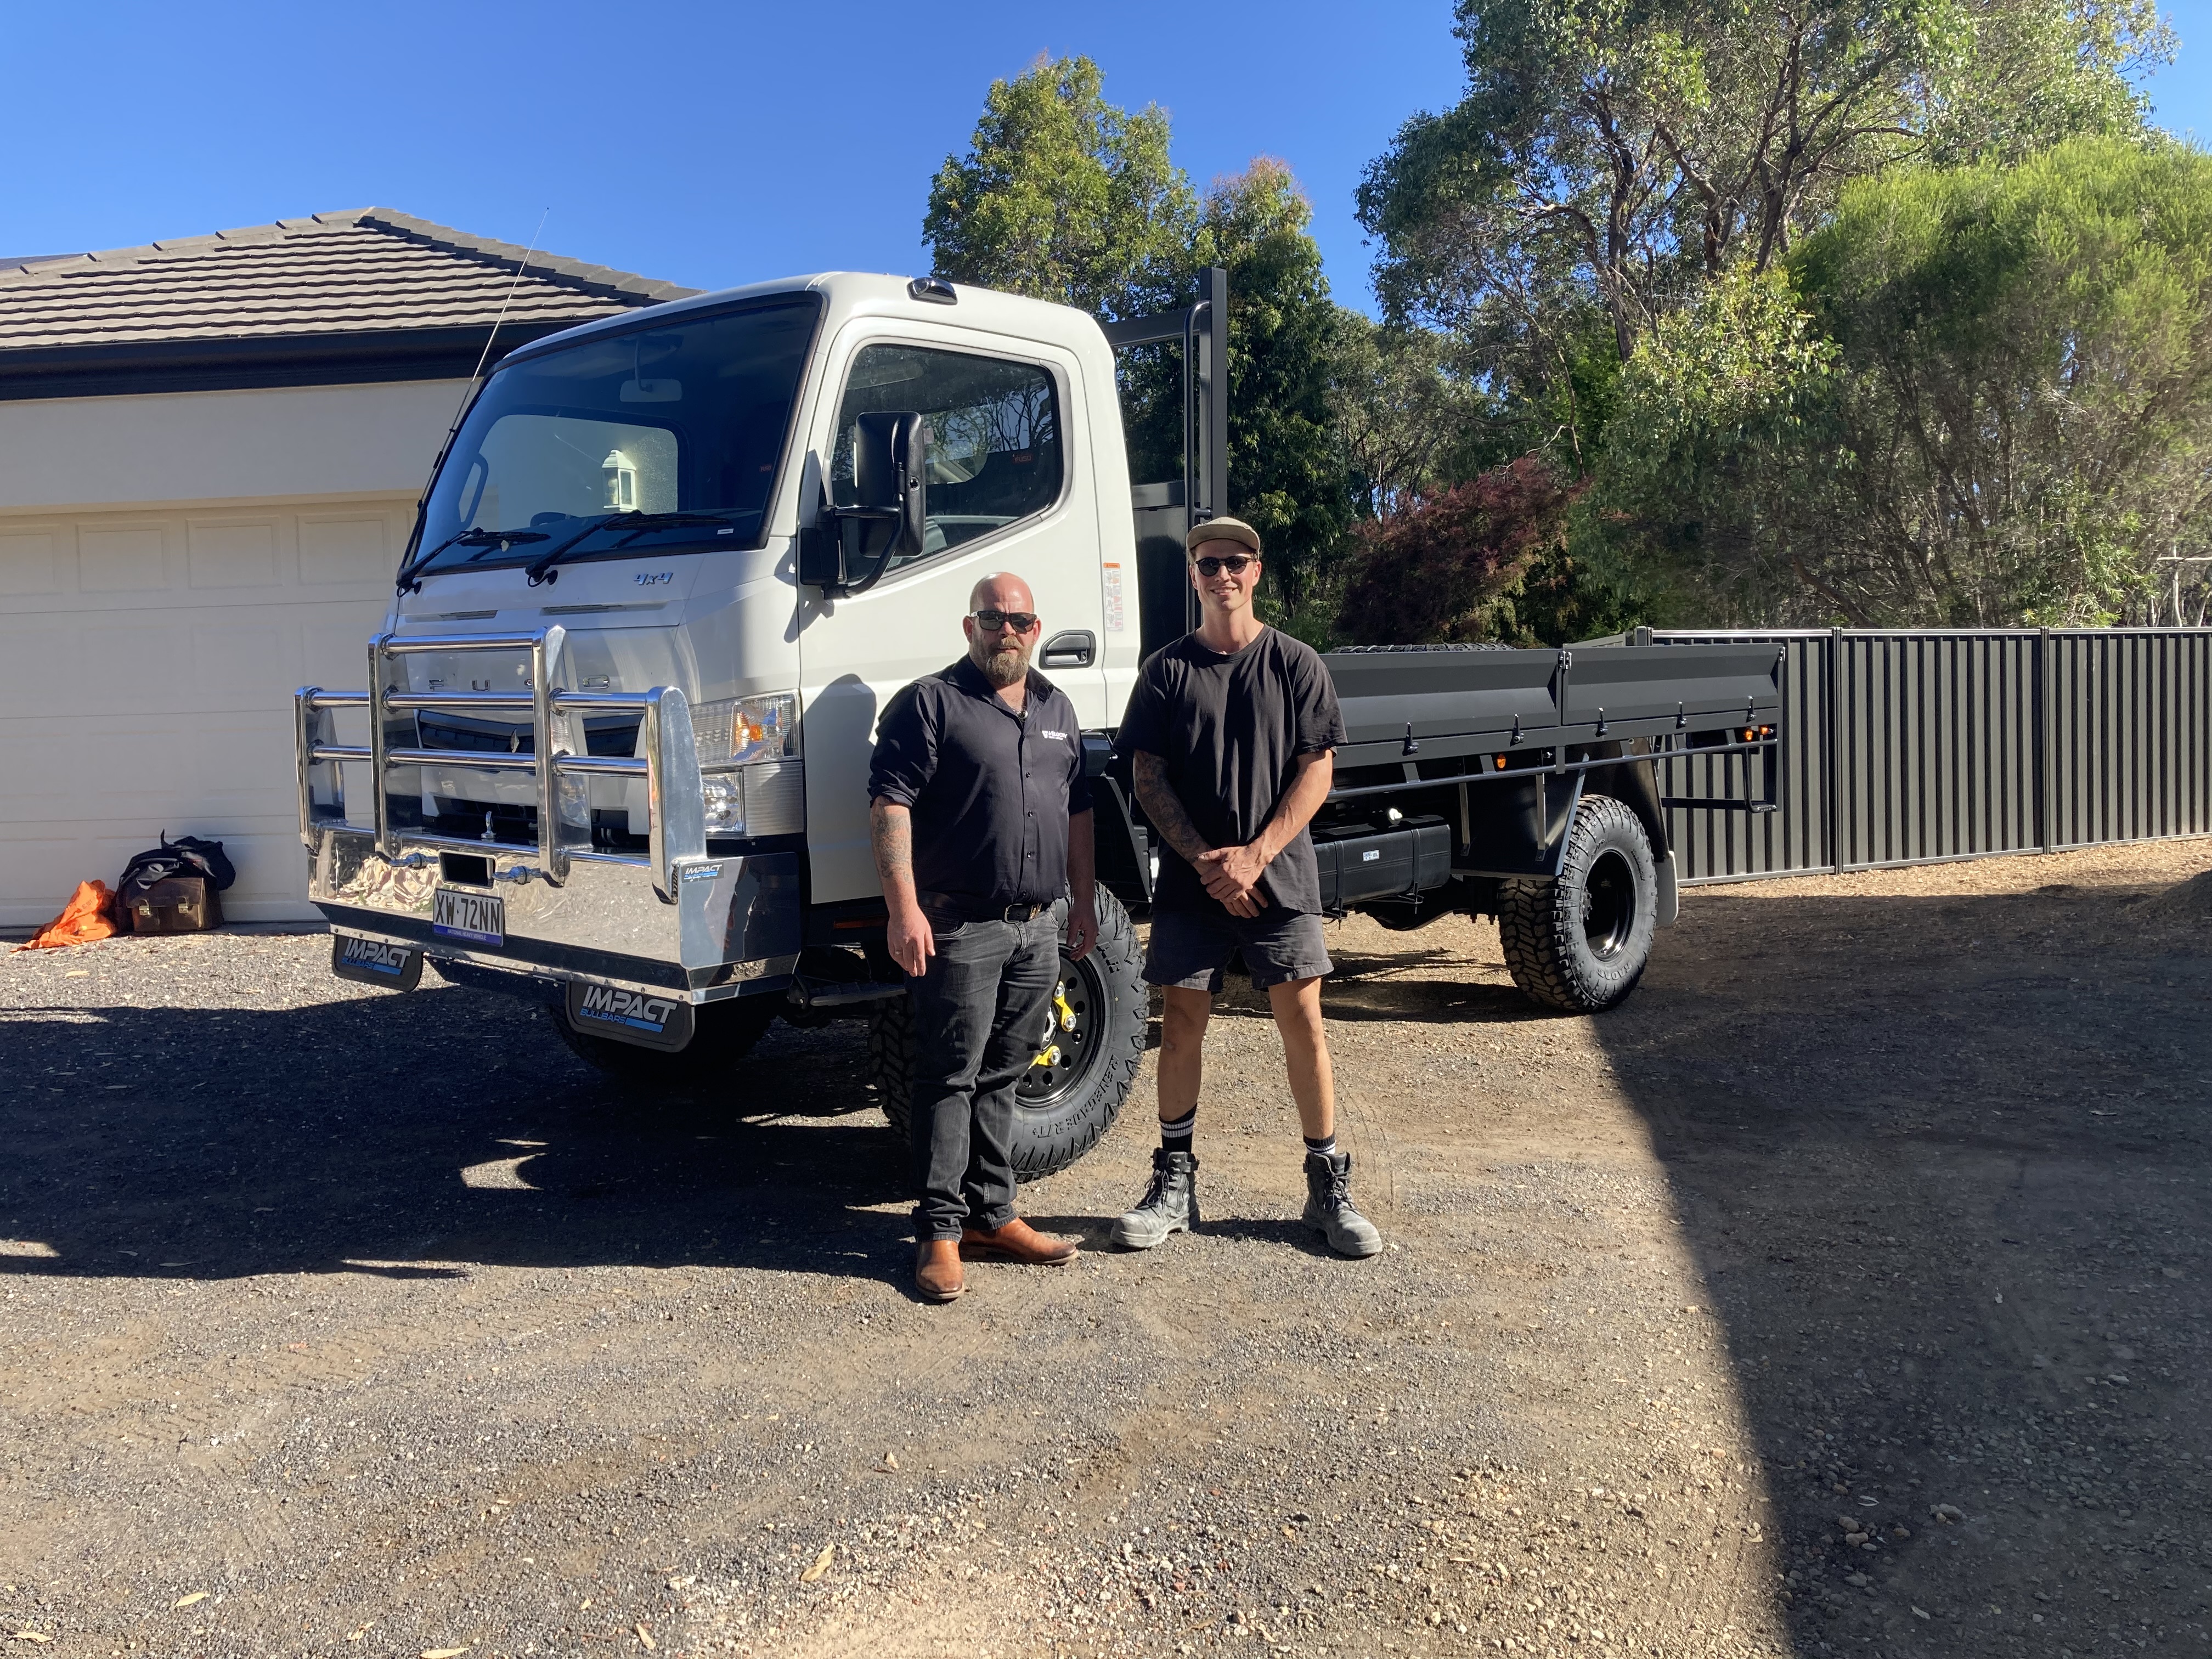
(1008, 490)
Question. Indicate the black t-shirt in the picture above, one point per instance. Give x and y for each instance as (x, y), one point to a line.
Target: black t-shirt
(1230, 729)
(990, 790)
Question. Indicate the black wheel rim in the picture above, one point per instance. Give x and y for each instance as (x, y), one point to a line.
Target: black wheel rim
(1608, 905)
(1069, 1050)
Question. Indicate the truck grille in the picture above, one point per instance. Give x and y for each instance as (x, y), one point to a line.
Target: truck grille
(616, 736)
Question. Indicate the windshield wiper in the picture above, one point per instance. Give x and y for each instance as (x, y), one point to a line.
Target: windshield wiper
(634, 524)
(410, 582)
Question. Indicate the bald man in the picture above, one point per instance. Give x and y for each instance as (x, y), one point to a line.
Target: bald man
(981, 823)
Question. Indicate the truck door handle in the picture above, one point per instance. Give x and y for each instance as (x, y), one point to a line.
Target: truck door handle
(1077, 648)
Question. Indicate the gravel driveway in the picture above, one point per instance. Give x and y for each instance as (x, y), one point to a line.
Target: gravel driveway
(1845, 1293)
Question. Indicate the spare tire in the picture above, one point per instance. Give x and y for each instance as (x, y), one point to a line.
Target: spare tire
(1579, 943)
(1064, 1106)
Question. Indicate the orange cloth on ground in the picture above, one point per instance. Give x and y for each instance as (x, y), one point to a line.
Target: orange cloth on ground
(89, 915)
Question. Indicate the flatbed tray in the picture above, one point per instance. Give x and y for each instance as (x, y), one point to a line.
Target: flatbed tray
(1437, 703)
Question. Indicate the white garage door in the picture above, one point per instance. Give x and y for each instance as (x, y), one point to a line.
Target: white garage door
(147, 664)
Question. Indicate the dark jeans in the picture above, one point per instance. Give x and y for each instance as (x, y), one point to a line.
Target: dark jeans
(980, 1019)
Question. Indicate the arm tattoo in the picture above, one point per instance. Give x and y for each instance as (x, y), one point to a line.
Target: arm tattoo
(1165, 807)
(891, 830)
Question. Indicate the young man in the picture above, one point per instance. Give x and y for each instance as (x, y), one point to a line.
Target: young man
(1231, 733)
(981, 823)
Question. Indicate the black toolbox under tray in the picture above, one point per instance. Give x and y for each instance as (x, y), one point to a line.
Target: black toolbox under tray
(1360, 862)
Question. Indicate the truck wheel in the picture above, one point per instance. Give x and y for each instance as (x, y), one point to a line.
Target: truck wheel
(1068, 1102)
(1579, 943)
(724, 1034)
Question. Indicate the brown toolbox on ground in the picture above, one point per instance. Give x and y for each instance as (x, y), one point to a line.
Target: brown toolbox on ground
(176, 904)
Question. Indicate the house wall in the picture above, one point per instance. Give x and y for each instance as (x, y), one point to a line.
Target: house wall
(172, 566)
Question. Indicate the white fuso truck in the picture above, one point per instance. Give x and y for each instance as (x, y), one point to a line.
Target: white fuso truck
(614, 748)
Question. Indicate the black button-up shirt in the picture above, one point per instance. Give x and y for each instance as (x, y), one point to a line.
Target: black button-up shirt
(990, 791)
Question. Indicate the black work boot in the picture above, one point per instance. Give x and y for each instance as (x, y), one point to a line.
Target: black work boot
(1328, 1206)
(1170, 1204)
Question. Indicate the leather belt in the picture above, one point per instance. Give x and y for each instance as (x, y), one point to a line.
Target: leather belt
(946, 910)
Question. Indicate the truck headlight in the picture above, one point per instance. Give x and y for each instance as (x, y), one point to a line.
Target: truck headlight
(750, 778)
(768, 797)
(745, 730)
(725, 793)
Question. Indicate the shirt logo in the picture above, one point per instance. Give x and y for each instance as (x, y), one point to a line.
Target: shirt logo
(1058, 736)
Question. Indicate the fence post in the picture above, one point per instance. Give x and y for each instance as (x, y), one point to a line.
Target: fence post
(1832, 749)
(2046, 768)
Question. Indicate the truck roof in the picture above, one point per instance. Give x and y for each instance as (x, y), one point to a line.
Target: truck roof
(855, 293)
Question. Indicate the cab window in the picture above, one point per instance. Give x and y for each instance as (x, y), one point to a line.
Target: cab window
(994, 437)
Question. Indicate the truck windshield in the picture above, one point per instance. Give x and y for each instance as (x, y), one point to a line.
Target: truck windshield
(667, 436)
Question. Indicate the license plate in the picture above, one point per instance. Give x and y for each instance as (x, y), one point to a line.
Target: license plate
(478, 918)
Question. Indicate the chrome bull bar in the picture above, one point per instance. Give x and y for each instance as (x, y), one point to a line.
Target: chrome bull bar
(668, 764)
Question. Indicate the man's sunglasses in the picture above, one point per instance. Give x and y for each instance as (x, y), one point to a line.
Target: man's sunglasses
(1234, 564)
(991, 621)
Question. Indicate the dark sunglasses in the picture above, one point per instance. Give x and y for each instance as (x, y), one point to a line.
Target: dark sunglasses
(991, 621)
(1234, 564)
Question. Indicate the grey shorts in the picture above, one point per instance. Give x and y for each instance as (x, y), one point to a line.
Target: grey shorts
(1190, 947)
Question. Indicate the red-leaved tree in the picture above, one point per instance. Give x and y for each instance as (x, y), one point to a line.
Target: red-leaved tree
(1435, 571)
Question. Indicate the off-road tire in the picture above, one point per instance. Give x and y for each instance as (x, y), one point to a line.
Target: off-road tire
(1579, 943)
(1049, 1138)
(723, 1035)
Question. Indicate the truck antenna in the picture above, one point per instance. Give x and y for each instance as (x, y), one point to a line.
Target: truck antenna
(461, 409)
(477, 373)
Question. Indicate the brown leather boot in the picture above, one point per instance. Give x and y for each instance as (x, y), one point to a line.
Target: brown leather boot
(1017, 1241)
(937, 1275)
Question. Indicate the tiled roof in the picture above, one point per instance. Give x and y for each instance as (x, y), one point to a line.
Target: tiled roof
(368, 272)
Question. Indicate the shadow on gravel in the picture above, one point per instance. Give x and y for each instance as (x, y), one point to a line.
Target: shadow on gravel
(445, 1125)
(1364, 987)
(1943, 1164)
(1275, 1233)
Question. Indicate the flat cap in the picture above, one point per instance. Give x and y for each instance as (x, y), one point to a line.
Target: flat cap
(1222, 530)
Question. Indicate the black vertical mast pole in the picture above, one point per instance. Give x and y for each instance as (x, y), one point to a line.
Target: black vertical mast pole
(1205, 427)
(1203, 492)
(1213, 444)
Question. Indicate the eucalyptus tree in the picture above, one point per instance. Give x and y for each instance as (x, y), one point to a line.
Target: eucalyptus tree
(1610, 157)
(1063, 195)
(1977, 397)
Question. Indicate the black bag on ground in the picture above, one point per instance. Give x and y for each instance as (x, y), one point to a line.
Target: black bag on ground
(187, 855)
(187, 859)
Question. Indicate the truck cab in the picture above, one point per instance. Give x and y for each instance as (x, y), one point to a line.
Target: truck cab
(616, 742)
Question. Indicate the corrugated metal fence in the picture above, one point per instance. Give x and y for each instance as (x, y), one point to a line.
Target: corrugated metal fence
(1904, 747)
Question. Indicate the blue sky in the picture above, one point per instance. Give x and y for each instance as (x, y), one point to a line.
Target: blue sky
(709, 145)
(2181, 94)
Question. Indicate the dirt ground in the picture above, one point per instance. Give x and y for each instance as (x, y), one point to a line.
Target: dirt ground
(1845, 1293)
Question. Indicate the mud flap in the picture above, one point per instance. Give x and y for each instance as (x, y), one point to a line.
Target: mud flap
(373, 962)
(1669, 896)
(639, 1018)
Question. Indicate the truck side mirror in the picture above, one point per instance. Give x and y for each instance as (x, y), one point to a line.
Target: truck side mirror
(851, 547)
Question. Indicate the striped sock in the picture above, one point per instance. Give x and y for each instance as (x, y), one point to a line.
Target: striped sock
(1322, 1147)
(1176, 1137)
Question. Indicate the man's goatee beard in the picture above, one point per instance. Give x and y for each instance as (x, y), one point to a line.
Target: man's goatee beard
(1003, 668)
